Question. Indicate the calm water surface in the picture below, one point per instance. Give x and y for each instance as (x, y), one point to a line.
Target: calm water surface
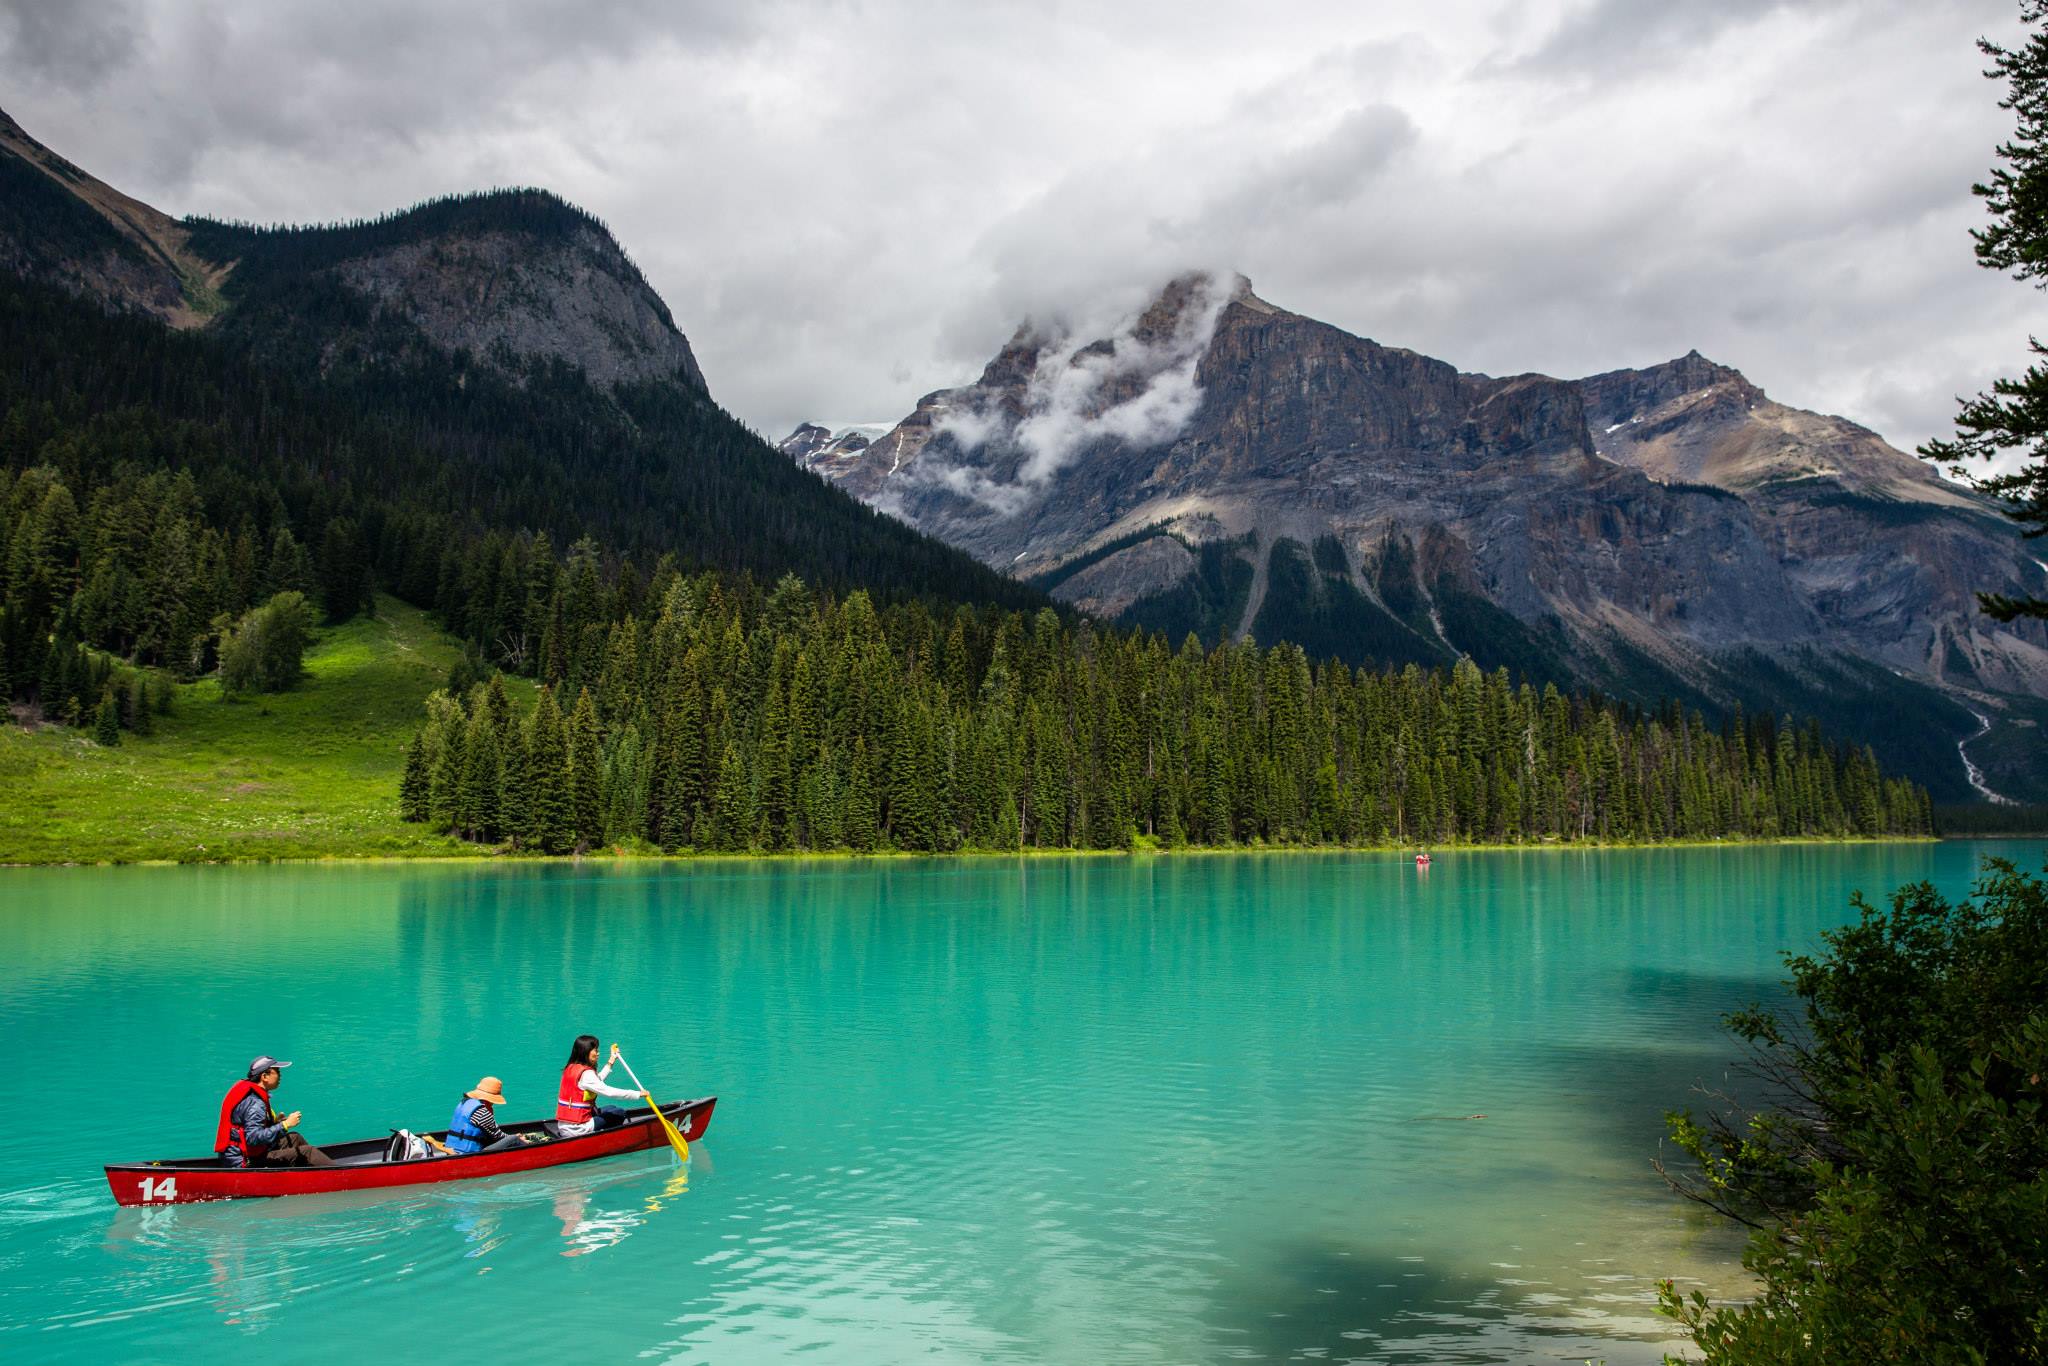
(1074, 1110)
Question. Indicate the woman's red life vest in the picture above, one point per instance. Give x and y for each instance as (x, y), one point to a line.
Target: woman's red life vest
(572, 1102)
(229, 1131)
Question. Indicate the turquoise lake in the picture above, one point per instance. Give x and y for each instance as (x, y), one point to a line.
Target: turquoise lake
(1173, 1109)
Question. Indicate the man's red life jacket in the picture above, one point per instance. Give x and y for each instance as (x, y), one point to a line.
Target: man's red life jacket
(229, 1131)
(572, 1102)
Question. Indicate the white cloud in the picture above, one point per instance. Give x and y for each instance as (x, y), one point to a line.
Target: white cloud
(849, 205)
(969, 426)
(1064, 411)
(1125, 383)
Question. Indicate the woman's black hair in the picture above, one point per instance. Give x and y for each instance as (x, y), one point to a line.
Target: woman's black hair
(580, 1050)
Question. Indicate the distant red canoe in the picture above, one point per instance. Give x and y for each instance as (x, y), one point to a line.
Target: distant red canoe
(363, 1165)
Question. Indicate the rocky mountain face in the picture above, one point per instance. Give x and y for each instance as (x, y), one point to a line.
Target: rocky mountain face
(511, 279)
(570, 297)
(1222, 465)
(1890, 555)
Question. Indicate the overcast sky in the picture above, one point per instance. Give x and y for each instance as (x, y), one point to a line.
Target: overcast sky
(847, 205)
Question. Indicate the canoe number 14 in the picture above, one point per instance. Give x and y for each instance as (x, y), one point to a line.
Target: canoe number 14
(162, 1188)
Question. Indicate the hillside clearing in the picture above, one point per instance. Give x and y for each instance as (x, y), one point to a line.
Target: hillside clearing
(308, 773)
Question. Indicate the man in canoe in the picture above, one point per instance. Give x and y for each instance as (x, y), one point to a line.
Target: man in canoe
(576, 1109)
(250, 1131)
(474, 1127)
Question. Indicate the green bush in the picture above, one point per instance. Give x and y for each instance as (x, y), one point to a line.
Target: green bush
(1898, 1180)
(265, 651)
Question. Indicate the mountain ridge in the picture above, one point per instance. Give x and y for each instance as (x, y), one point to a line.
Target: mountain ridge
(64, 226)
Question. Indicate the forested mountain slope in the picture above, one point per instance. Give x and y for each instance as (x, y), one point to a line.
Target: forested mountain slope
(424, 403)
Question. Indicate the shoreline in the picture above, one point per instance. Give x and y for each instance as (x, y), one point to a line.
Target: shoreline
(1140, 850)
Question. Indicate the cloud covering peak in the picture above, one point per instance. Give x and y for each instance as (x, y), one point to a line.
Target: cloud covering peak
(1134, 384)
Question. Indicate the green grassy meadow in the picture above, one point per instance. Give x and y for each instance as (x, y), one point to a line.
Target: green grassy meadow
(308, 773)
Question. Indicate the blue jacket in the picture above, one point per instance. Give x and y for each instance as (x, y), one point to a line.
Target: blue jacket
(253, 1116)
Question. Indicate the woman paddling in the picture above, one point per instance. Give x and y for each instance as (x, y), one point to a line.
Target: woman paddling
(576, 1109)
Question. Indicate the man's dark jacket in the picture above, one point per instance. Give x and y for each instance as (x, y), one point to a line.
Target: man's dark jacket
(253, 1117)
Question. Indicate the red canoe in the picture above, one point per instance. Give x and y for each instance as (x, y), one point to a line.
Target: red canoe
(364, 1165)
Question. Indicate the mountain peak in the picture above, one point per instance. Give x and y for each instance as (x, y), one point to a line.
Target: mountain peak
(1694, 421)
(1619, 395)
(824, 450)
(1197, 288)
(513, 276)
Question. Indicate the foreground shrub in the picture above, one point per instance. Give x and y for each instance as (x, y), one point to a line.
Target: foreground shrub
(1897, 1176)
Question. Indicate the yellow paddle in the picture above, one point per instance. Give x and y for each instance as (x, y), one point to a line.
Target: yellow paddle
(675, 1139)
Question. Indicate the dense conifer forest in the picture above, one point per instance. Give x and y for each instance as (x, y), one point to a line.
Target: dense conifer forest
(707, 714)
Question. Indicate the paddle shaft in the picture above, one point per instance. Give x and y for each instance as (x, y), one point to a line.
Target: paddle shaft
(675, 1139)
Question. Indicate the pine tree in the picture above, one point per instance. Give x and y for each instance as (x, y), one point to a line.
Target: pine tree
(514, 810)
(2013, 414)
(861, 822)
(1009, 831)
(586, 775)
(138, 716)
(918, 796)
(626, 773)
(106, 721)
(343, 571)
(778, 787)
(554, 648)
(550, 819)
(1050, 787)
(413, 786)
(1329, 805)
(446, 726)
(480, 798)
(732, 807)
